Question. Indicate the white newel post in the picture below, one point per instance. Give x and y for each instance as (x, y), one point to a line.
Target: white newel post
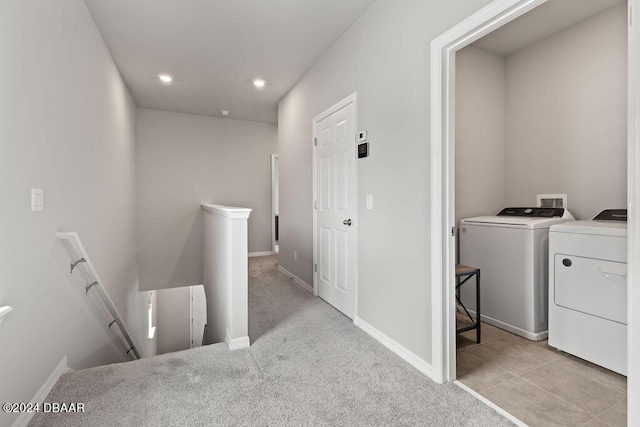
(226, 275)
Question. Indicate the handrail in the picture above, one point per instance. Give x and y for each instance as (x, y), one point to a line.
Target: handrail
(96, 283)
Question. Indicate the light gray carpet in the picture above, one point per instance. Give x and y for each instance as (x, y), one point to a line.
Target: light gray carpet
(307, 365)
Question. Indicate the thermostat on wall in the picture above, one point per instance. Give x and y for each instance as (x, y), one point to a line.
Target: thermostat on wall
(363, 150)
(362, 136)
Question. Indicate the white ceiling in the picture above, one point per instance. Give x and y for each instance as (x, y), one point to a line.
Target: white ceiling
(541, 22)
(215, 48)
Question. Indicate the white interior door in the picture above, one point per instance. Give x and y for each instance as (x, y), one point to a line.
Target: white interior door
(335, 207)
(275, 202)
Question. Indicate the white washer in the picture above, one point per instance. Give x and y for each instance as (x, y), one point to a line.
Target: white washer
(588, 289)
(511, 250)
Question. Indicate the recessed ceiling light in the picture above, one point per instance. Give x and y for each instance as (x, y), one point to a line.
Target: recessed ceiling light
(165, 78)
(259, 83)
(225, 112)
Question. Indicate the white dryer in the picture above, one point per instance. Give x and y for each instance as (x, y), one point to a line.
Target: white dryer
(588, 289)
(511, 250)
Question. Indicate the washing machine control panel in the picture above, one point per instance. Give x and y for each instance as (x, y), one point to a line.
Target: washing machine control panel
(612, 215)
(532, 212)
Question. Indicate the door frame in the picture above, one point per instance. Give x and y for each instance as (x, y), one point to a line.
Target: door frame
(274, 187)
(443, 50)
(351, 99)
(633, 197)
(443, 54)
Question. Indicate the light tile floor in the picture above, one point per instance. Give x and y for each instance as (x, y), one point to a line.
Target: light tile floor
(539, 385)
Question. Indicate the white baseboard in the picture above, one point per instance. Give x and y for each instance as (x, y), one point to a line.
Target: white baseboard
(397, 348)
(43, 392)
(265, 253)
(533, 336)
(490, 404)
(298, 281)
(237, 343)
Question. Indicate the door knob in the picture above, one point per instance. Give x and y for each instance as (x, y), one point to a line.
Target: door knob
(347, 222)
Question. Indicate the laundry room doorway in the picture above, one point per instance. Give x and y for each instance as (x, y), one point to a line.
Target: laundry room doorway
(445, 164)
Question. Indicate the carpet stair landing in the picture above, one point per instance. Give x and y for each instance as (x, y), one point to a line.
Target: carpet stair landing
(307, 365)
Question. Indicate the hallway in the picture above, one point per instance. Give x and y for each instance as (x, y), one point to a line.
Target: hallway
(307, 364)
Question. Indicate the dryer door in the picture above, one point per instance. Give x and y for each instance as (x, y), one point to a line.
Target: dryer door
(592, 286)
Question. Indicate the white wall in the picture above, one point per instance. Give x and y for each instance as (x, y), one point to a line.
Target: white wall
(66, 126)
(384, 57)
(184, 160)
(480, 133)
(174, 320)
(567, 116)
(556, 125)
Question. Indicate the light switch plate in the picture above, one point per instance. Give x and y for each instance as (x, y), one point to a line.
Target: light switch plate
(362, 136)
(37, 199)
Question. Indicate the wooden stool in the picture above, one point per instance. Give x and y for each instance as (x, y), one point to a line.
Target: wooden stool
(464, 325)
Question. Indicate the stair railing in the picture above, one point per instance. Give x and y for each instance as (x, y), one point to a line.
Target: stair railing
(83, 259)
